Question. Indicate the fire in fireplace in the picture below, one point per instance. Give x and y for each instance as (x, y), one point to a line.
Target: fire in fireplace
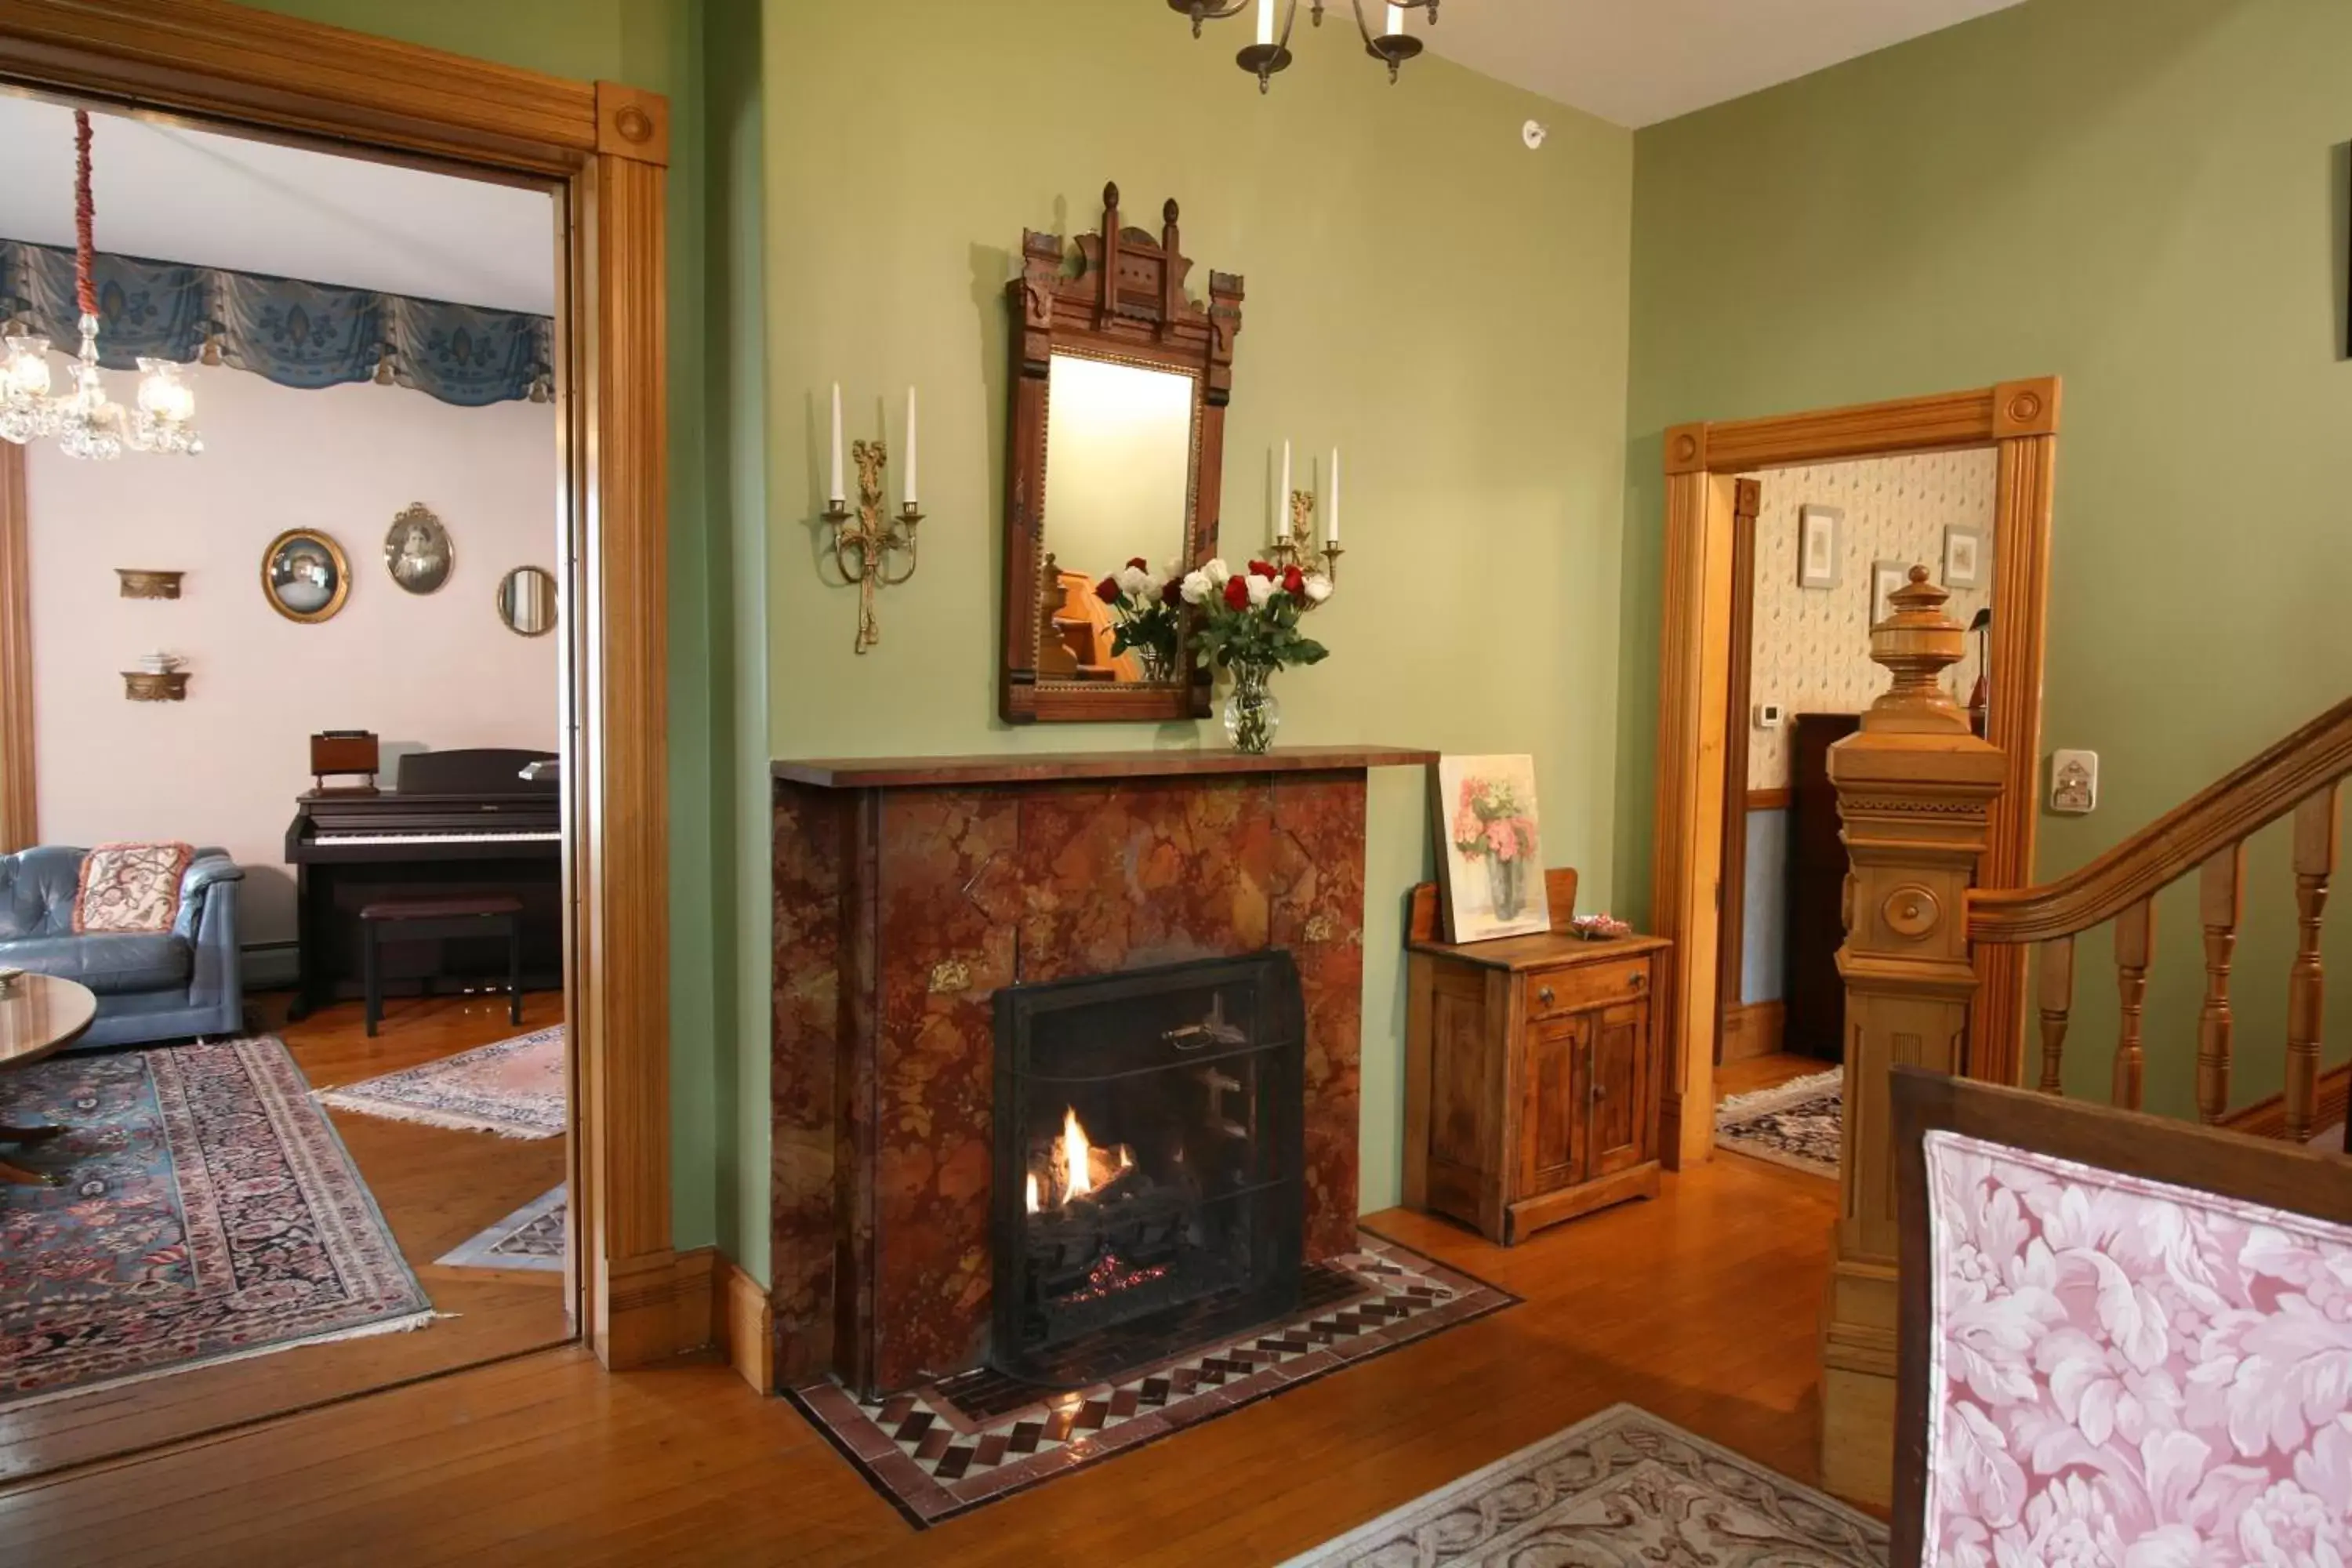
(1148, 1163)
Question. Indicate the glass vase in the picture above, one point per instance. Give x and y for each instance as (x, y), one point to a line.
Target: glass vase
(1506, 885)
(1252, 714)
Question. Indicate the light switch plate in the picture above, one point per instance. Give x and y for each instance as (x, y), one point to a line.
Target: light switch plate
(2074, 783)
(1768, 716)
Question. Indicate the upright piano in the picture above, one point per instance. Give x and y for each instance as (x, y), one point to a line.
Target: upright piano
(455, 824)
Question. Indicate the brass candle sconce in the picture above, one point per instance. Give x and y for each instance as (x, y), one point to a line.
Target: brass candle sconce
(863, 548)
(1286, 548)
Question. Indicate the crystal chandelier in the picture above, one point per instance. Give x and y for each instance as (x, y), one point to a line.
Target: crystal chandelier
(1270, 52)
(83, 420)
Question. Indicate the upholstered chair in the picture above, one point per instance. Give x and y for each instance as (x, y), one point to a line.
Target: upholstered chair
(163, 985)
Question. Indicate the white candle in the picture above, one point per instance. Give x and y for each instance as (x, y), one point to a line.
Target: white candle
(1331, 523)
(1266, 21)
(911, 445)
(837, 494)
(1396, 20)
(1282, 498)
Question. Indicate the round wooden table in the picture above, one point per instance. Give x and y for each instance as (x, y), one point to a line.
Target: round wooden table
(39, 1015)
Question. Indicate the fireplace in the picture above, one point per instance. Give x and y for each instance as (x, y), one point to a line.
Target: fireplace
(1148, 1190)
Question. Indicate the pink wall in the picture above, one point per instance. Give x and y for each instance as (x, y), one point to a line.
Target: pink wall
(224, 767)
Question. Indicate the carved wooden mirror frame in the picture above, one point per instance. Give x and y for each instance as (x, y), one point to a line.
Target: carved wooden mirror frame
(1128, 304)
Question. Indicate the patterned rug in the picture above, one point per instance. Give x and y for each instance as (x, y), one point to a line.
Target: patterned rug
(1621, 1488)
(947, 1448)
(207, 1213)
(530, 1237)
(514, 1089)
(1795, 1124)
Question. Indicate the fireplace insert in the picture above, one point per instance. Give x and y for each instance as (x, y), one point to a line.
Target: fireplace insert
(1148, 1192)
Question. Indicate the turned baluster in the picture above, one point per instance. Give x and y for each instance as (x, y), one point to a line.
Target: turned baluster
(2220, 903)
(2135, 939)
(2057, 999)
(2314, 862)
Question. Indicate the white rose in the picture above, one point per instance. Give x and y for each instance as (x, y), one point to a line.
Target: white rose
(1197, 587)
(1261, 589)
(1132, 581)
(1218, 573)
(1318, 588)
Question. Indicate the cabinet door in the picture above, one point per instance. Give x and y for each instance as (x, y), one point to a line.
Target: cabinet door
(1620, 1087)
(1550, 1107)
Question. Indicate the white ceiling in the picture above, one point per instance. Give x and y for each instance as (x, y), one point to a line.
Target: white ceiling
(1636, 62)
(176, 195)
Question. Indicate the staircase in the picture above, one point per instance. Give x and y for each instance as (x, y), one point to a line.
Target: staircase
(1915, 791)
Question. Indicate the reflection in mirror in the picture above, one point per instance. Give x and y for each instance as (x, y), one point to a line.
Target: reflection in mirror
(527, 600)
(1118, 489)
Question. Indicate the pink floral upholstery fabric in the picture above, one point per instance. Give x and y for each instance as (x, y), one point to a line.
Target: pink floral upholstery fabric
(2130, 1373)
(130, 887)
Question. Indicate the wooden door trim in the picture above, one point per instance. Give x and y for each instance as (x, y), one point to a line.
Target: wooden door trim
(20, 817)
(1748, 501)
(603, 148)
(2019, 419)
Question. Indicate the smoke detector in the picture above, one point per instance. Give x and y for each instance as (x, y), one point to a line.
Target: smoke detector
(1533, 133)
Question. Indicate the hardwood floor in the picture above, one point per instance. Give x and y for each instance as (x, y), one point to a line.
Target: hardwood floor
(437, 1187)
(1701, 1306)
(1763, 1072)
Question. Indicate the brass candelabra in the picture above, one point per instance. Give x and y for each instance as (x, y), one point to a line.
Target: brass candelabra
(869, 539)
(1286, 550)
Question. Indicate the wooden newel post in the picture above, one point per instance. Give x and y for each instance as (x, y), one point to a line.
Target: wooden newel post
(1914, 788)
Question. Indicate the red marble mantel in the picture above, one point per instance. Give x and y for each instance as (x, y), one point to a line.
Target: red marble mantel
(908, 891)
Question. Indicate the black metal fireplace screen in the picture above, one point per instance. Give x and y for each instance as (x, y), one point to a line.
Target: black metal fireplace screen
(1148, 1190)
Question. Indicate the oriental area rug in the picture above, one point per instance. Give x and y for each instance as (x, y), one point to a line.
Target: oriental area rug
(1621, 1488)
(949, 1447)
(514, 1089)
(530, 1237)
(206, 1212)
(1795, 1124)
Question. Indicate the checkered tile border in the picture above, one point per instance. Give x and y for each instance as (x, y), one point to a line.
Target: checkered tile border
(934, 1460)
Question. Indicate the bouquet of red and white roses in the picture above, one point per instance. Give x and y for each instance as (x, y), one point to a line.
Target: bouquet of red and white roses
(1249, 619)
(1151, 610)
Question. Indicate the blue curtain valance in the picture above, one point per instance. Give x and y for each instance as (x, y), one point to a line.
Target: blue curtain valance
(305, 335)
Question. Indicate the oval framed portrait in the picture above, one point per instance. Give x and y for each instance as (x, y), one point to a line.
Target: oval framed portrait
(418, 552)
(304, 575)
(527, 600)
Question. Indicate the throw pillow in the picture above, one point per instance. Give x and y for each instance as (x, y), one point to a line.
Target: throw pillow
(130, 887)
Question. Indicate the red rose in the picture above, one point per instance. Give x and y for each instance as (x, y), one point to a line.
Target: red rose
(1262, 569)
(1237, 593)
(1107, 591)
(1137, 562)
(1174, 594)
(1294, 581)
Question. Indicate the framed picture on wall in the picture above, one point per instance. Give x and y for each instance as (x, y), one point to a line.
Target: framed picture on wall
(1963, 555)
(1821, 539)
(1885, 576)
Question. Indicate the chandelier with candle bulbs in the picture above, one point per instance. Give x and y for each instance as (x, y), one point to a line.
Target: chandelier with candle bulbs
(1270, 52)
(82, 420)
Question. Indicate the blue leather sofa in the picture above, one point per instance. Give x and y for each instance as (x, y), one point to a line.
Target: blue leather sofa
(166, 986)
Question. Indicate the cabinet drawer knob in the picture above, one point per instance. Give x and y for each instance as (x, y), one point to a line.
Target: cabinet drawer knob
(1636, 981)
(1544, 997)
(1600, 1090)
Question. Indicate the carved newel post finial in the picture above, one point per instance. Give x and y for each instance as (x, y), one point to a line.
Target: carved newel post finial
(1917, 643)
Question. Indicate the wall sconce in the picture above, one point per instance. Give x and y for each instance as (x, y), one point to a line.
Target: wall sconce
(862, 548)
(1294, 535)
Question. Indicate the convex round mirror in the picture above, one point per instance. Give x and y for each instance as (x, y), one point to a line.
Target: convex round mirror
(527, 600)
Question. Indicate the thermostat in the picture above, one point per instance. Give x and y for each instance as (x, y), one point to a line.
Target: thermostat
(1768, 716)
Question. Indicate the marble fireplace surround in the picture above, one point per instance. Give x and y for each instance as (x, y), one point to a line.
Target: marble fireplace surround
(908, 891)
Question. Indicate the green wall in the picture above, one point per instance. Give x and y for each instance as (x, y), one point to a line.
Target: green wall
(1422, 291)
(659, 44)
(2147, 197)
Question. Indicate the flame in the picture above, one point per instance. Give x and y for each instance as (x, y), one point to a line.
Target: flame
(1032, 1192)
(1074, 1156)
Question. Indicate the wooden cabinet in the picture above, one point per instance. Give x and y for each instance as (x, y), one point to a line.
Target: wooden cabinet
(1531, 1075)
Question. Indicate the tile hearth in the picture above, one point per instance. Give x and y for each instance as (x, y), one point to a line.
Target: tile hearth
(947, 1448)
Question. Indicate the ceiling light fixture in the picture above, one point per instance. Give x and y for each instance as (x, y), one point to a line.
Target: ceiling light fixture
(84, 421)
(1270, 52)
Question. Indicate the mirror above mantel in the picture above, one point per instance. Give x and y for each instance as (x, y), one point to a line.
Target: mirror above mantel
(1120, 387)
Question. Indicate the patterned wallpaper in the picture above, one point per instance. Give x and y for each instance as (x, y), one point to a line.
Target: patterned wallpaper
(1812, 645)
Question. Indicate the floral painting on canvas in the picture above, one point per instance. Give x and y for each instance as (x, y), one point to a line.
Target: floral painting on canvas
(1491, 869)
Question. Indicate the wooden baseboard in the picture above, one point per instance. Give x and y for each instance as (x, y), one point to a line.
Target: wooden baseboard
(2267, 1118)
(743, 1326)
(1753, 1031)
(661, 1306)
(1768, 799)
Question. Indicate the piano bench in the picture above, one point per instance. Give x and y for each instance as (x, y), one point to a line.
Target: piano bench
(431, 919)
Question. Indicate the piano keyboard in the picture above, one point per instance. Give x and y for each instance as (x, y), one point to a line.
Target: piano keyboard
(556, 837)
